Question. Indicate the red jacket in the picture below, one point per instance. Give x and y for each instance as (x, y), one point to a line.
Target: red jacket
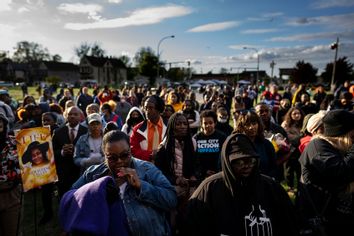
(138, 141)
(303, 142)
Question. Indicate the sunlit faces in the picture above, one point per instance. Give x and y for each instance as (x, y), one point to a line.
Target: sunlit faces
(208, 125)
(263, 111)
(150, 109)
(95, 128)
(117, 155)
(222, 115)
(296, 115)
(47, 120)
(174, 98)
(92, 108)
(181, 126)
(74, 116)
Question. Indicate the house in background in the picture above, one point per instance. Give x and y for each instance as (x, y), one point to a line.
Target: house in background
(13, 72)
(104, 70)
(67, 72)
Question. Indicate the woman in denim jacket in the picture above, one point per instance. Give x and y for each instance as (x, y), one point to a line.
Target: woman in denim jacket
(146, 193)
(88, 149)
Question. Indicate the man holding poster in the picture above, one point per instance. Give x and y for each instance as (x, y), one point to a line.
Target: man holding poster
(36, 154)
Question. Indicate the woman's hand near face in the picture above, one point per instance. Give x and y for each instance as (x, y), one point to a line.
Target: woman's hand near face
(131, 176)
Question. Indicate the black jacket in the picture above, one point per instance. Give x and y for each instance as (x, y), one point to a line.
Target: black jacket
(67, 171)
(165, 162)
(253, 205)
(326, 173)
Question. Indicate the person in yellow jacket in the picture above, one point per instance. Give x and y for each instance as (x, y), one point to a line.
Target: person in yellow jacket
(174, 100)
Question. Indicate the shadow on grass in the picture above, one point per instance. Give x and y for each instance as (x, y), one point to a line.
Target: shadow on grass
(32, 199)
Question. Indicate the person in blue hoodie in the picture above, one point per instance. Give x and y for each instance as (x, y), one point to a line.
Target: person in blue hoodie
(145, 194)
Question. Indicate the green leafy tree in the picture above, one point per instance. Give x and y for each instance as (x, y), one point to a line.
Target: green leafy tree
(56, 58)
(344, 71)
(146, 62)
(126, 60)
(223, 70)
(3, 56)
(177, 74)
(30, 51)
(304, 73)
(55, 80)
(97, 51)
(86, 49)
(82, 50)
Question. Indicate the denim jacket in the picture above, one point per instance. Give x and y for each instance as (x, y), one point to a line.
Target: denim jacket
(82, 150)
(146, 211)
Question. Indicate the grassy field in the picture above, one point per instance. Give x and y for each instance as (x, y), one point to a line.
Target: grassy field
(31, 201)
(16, 93)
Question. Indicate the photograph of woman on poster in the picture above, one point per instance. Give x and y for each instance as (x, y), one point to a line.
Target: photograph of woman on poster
(36, 153)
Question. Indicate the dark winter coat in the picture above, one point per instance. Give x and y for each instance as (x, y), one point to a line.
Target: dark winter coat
(326, 172)
(253, 205)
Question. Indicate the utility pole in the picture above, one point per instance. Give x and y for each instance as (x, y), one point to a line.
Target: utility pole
(158, 53)
(272, 64)
(334, 46)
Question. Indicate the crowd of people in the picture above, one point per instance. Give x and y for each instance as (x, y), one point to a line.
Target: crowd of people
(137, 162)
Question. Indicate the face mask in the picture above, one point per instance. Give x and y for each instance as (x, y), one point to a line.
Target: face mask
(221, 120)
(135, 120)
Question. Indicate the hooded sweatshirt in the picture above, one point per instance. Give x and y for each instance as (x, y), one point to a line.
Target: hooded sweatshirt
(253, 205)
(127, 128)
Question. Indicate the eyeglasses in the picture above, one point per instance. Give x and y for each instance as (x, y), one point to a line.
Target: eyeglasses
(122, 156)
(243, 162)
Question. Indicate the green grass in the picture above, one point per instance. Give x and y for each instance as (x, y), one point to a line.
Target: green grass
(52, 228)
(16, 92)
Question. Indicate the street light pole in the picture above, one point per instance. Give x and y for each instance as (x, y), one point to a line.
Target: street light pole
(334, 46)
(256, 50)
(272, 64)
(158, 53)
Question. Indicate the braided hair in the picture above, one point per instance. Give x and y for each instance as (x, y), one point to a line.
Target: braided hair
(188, 147)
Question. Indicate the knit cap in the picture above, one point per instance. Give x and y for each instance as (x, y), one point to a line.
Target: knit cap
(315, 121)
(338, 122)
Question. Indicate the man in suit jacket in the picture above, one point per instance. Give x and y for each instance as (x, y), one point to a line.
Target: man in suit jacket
(64, 140)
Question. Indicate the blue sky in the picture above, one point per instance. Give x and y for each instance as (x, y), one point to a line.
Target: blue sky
(209, 33)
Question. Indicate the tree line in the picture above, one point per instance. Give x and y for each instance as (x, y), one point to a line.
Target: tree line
(147, 63)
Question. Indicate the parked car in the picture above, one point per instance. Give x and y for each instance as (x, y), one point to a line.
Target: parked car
(6, 84)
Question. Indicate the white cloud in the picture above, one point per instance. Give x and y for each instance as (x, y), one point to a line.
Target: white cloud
(343, 21)
(115, 1)
(242, 46)
(259, 31)
(313, 36)
(332, 3)
(273, 14)
(145, 16)
(23, 9)
(91, 9)
(5, 5)
(266, 16)
(215, 26)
